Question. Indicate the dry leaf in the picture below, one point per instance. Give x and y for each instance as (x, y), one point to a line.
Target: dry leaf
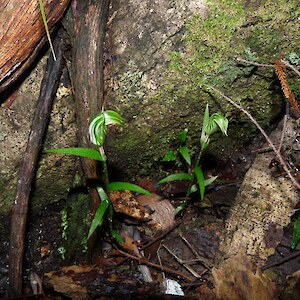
(124, 202)
(235, 280)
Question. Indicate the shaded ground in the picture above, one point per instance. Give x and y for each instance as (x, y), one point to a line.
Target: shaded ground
(188, 251)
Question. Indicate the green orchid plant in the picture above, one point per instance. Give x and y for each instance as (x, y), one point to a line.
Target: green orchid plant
(211, 124)
(97, 130)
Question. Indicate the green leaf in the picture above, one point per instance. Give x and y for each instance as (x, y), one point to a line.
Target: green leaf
(97, 130)
(296, 233)
(179, 208)
(200, 180)
(206, 116)
(99, 215)
(121, 186)
(170, 156)
(183, 135)
(211, 127)
(221, 121)
(210, 180)
(204, 138)
(99, 124)
(115, 234)
(193, 189)
(184, 151)
(84, 152)
(113, 118)
(177, 176)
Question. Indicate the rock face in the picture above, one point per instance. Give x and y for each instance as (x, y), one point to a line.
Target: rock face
(163, 56)
(55, 173)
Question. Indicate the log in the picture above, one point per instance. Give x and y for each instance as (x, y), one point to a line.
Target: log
(22, 34)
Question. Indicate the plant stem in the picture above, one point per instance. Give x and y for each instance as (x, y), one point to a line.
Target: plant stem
(105, 170)
(193, 178)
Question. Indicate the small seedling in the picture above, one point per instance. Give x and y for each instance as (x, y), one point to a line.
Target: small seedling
(211, 124)
(182, 151)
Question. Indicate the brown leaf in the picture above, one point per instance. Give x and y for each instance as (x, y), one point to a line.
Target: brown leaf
(235, 279)
(124, 202)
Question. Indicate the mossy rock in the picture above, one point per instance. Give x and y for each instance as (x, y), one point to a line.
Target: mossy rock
(162, 91)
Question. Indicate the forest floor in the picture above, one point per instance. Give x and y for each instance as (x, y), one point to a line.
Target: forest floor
(185, 251)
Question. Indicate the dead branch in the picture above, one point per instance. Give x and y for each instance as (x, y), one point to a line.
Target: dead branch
(28, 167)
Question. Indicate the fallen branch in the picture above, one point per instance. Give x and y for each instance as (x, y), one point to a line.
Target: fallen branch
(20, 207)
(291, 67)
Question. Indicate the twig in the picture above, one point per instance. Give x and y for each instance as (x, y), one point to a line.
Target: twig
(200, 258)
(283, 128)
(153, 241)
(277, 153)
(291, 67)
(27, 170)
(161, 236)
(253, 63)
(179, 260)
(145, 261)
(284, 260)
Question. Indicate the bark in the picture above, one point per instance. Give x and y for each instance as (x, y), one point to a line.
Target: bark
(27, 170)
(88, 32)
(22, 34)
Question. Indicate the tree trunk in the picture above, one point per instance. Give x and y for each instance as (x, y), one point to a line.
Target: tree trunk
(22, 34)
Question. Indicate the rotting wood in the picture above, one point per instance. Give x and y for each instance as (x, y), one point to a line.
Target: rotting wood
(22, 34)
(87, 32)
(20, 208)
(87, 37)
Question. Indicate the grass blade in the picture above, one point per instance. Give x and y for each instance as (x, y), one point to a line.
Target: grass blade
(46, 28)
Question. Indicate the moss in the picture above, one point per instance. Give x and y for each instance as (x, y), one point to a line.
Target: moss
(77, 220)
(251, 31)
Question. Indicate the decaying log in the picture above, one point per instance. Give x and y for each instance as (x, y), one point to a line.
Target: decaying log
(263, 207)
(22, 34)
(87, 37)
(20, 208)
